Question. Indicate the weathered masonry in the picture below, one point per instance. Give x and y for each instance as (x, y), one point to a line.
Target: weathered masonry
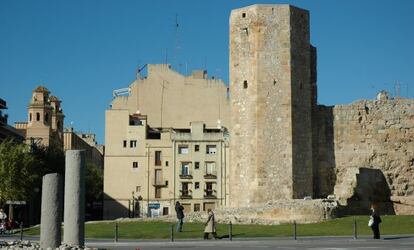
(270, 84)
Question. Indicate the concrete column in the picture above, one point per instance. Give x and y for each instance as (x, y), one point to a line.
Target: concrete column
(51, 215)
(74, 217)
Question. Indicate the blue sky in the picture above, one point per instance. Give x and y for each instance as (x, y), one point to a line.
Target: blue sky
(82, 50)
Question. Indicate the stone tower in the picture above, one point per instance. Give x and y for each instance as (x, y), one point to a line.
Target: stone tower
(40, 116)
(270, 86)
(45, 121)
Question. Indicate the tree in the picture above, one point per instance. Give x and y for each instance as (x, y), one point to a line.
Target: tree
(94, 191)
(50, 159)
(18, 171)
(93, 183)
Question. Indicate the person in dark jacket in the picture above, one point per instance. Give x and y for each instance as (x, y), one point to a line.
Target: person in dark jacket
(376, 221)
(179, 209)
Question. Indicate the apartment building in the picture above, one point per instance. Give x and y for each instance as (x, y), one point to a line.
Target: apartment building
(177, 151)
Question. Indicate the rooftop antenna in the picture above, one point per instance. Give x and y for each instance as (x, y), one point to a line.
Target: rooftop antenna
(397, 89)
(166, 55)
(176, 42)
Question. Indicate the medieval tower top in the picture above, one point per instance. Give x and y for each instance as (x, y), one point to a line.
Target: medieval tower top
(270, 86)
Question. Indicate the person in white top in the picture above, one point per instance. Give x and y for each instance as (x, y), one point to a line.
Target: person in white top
(3, 217)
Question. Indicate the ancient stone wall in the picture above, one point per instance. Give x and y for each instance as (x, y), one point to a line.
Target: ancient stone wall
(301, 85)
(269, 68)
(366, 153)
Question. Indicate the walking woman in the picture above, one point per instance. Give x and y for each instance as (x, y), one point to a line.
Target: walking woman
(210, 225)
(375, 220)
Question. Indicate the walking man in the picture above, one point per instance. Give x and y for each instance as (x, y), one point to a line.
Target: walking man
(179, 209)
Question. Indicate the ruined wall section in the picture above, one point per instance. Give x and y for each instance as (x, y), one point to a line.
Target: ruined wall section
(324, 177)
(370, 135)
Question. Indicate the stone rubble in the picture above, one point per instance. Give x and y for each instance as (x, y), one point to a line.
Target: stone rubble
(272, 213)
(28, 245)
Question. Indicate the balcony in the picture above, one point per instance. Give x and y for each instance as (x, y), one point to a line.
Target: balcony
(210, 175)
(160, 183)
(210, 194)
(186, 194)
(186, 174)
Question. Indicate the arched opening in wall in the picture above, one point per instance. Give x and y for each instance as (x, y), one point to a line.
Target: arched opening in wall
(30, 117)
(46, 117)
(37, 116)
(245, 85)
(371, 187)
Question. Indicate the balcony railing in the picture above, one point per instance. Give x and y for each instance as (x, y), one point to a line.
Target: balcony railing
(159, 183)
(210, 194)
(186, 194)
(186, 174)
(210, 175)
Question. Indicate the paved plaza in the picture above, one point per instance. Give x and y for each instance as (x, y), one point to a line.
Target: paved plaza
(314, 243)
(406, 243)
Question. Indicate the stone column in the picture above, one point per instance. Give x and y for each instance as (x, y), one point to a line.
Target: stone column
(51, 215)
(74, 217)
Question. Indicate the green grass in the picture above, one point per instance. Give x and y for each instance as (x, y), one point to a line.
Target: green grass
(391, 225)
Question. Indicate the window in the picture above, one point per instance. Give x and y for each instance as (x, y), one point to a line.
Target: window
(138, 189)
(37, 116)
(135, 164)
(196, 148)
(185, 169)
(158, 177)
(210, 168)
(157, 158)
(133, 144)
(157, 192)
(196, 185)
(46, 117)
(165, 211)
(196, 207)
(209, 188)
(30, 117)
(166, 163)
(185, 190)
(243, 15)
(166, 183)
(125, 143)
(245, 84)
(183, 149)
(196, 165)
(211, 149)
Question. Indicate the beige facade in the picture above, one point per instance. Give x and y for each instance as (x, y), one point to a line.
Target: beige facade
(152, 161)
(169, 98)
(45, 119)
(147, 170)
(93, 152)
